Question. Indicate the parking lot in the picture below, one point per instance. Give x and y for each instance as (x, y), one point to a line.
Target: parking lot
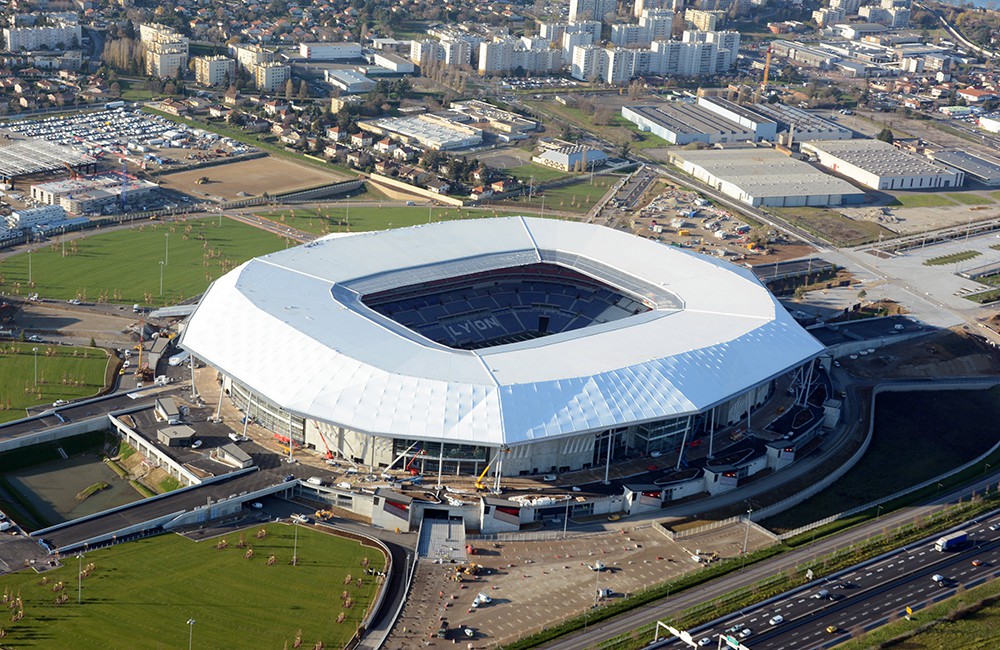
(154, 140)
(535, 584)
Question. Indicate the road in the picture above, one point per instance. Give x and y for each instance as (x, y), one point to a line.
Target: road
(867, 595)
(673, 605)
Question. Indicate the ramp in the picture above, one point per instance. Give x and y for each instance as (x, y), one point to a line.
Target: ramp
(442, 539)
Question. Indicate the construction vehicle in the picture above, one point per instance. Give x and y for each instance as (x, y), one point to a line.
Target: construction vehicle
(597, 566)
(480, 486)
(409, 466)
(202, 180)
(323, 514)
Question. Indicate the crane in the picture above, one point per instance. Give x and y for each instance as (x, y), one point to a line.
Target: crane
(767, 75)
(409, 466)
(73, 174)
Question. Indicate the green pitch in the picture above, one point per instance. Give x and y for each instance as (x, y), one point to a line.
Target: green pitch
(63, 373)
(124, 266)
(142, 594)
(342, 217)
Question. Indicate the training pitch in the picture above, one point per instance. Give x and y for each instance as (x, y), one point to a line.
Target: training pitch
(143, 594)
(252, 177)
(63, 373)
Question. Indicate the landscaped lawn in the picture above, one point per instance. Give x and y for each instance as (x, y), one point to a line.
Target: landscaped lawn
(925, 434)
(952, 259)
(124, 266)
(578, 196)
(968, 198)
(363, 218)
(63, 373)
(540, 172)
(144, 593)
(924, 200)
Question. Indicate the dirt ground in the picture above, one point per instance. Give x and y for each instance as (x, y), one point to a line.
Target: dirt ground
(252, 177)
(536, 584)
(947, 354)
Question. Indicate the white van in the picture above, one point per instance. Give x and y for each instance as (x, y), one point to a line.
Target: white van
(314, 480)
(179, 358)
(5, 525)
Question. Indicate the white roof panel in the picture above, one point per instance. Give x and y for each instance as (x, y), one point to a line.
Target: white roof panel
(291, 327)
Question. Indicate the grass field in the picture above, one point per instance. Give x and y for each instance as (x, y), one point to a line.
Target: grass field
(540, 172)
(124, 266)
(578, 196)
(63, 373)
(924, 200)
(143, 593)
(952, 259)
(968, 198)
(365, 218)
(924, 437)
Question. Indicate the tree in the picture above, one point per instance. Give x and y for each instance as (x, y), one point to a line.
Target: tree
(289, 89)
(303, 90)
(885, 135)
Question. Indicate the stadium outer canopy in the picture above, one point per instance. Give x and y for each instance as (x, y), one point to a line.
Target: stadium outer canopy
(291, 327)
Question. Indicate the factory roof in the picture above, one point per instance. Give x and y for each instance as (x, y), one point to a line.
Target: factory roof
(877, 157)
(785, 176)
(680, 117)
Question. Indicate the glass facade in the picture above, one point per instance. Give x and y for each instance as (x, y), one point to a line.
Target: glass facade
(268, 415)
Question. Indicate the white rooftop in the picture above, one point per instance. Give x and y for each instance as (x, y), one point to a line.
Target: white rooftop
(292, 327)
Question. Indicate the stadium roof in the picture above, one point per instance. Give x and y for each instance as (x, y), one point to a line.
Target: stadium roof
(291, 327)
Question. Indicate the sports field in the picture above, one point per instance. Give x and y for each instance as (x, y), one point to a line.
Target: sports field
(578, 196)
(142, 594)
(340, 217)
(63, 373)
(124, 266)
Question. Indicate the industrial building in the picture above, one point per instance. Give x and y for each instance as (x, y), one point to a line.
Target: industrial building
(22, 219)
(529, 345)
(573, 158)
(330, 51)
(983, 169)
(765, 177)
(426, 131)
(681, 123)
(349, 81)
(799, 125)
(93, 194)
(881, 166)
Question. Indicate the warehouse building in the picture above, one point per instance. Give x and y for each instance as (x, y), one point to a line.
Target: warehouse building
(881, 166)
(799, 125)
(788, 182)
(427, 131)
(349, 81)
(983, 169)
(680, 123)
(762, 127)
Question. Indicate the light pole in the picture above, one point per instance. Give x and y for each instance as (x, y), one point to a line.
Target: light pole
(746, 539)
(29, 266)
(190, 624)
(878, 513)
(79, 579)
(987, 468)
(295, 544)
(162, 264)
(166, 248)
(35, 351)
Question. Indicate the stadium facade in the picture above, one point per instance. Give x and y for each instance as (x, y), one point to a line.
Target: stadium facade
(538, 345)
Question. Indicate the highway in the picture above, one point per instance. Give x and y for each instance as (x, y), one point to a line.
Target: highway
(868, 596)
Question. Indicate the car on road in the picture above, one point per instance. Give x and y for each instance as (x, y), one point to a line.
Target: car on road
(60, 402)
(977, 563)
(992, 526)
(777, 619)
(745, 632)
(832, 629)
(75, 301)
(939, 579)
(256, 505)
(705, 641)
(735, 628)
(34, 338)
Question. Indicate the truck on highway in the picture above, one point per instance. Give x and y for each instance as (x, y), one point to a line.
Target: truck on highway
(952, 541)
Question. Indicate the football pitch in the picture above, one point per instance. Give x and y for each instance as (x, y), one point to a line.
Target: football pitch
(124, 266)
(143, 594)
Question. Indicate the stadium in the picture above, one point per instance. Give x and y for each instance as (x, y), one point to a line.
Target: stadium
(542, 345)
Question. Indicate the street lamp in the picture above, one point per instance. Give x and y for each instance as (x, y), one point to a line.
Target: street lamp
(29, 266)
(987, 468)
(35, 351)
(746, 539)
(162, 264)
(878, 513)
(166, 248)
(79, 579)
(190, 632)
